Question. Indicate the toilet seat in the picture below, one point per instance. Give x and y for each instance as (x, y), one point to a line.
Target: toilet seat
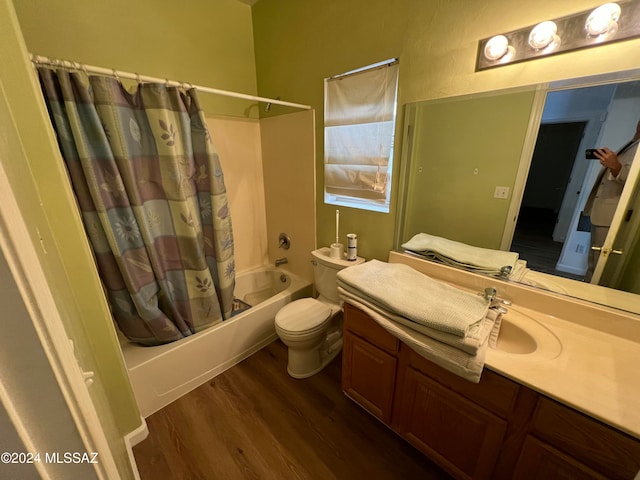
(302, 317)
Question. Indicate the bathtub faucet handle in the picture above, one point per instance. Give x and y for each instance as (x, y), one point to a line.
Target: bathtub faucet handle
(284, 241)
(281, 261)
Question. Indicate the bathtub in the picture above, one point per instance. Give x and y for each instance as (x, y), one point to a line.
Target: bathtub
(159, 375)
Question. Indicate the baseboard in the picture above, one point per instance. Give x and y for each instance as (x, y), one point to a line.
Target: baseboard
(132, 439)
(570, 269)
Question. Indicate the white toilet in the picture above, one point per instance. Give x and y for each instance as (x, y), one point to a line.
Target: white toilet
(312, 328)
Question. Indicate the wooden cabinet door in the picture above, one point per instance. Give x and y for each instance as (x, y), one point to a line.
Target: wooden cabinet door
(462, 437)
(540, 461)
(368, 376)
(592, 443)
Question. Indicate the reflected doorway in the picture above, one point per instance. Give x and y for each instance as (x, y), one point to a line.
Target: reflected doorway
(549, 176)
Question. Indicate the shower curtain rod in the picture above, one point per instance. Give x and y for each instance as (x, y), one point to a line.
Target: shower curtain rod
(38, 59)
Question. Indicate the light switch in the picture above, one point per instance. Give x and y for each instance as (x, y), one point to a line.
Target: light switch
(501, 192)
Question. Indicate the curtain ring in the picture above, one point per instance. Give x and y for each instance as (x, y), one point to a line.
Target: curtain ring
(166, 83)
(138, 79)
(115, 74)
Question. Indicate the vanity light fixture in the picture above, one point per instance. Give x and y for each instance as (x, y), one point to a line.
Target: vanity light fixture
(610, 22)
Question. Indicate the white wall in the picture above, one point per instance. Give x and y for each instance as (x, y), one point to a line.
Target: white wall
(237, 142)
(288, 150)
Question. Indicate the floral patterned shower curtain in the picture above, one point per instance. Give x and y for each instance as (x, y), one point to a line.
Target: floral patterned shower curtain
(152, 197)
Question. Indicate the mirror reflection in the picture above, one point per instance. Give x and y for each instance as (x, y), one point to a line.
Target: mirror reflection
(508, 171)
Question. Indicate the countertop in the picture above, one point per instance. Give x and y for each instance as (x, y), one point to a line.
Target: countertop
(596, 370)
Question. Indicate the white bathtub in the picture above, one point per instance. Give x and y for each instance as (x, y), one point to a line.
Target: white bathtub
(159, 375)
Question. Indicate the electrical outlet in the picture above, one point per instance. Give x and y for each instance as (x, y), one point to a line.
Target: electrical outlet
(501, 192)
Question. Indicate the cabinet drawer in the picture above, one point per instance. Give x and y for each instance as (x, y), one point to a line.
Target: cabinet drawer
(494, 392)
(364, 326)
(599, 446)
(540, 461)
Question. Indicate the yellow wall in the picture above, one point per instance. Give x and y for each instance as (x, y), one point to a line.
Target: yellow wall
(299, 43)
(454, 198)
(204, 42)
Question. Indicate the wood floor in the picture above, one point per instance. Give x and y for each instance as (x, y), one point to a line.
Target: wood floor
(533, 240)
(256, 422)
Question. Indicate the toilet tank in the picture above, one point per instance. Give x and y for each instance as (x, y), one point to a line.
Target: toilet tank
(325, 270)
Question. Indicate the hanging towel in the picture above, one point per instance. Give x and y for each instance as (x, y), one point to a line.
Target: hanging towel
(401, 290)
(457, 254)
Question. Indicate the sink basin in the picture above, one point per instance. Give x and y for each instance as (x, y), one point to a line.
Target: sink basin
(513, 339)
(521, 334)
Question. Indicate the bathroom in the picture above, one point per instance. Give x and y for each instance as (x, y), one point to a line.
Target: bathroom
(273, 48)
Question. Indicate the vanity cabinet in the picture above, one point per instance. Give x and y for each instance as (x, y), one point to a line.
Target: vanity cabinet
(495, 429)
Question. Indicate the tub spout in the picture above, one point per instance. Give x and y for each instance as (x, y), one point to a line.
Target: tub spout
(281, 261)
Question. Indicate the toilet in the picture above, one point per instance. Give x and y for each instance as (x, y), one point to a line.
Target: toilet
(312, 327)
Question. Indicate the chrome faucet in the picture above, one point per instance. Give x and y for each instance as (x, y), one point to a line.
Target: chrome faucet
(505, 272)
(489, 293)
(495, 302)
(281, 261)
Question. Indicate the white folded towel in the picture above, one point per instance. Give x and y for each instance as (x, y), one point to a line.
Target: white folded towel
(477, 337)
(401, 290)
(450, 358)
(450, 252)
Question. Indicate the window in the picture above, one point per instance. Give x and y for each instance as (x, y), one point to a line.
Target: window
(359, 127)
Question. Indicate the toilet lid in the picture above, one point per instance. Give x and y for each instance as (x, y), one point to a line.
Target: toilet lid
(302, 315)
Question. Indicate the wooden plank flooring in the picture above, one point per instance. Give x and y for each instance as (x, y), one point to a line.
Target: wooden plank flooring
(256, 422)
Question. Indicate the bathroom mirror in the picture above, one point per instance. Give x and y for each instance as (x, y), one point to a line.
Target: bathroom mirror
(507, 170)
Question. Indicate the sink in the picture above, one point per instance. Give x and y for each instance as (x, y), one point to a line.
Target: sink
(521, 334)
(513, 339)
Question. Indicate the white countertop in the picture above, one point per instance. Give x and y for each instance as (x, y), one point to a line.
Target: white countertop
(597, 368)
(595, 372)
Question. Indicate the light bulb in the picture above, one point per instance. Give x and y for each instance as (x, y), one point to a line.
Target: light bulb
(603, 19)
(496, 47)
(543, 34)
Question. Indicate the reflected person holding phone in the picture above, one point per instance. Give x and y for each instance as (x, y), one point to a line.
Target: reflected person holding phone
(605, 195)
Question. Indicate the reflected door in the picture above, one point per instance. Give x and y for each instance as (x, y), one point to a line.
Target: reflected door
(618, 253)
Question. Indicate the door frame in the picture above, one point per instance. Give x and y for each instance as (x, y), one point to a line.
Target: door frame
(21, 257)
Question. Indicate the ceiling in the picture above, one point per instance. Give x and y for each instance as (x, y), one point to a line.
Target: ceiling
(249, 2)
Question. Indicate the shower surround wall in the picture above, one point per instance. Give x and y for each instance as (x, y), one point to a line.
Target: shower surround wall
(268, 169)
(288, 153)
(237, 142)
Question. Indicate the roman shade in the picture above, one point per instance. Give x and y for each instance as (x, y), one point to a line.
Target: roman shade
(359, 121)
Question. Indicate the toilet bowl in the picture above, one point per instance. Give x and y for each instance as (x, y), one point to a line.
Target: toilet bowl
(312, 328)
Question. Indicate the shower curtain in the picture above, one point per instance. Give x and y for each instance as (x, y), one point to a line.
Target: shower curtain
(152, 198)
